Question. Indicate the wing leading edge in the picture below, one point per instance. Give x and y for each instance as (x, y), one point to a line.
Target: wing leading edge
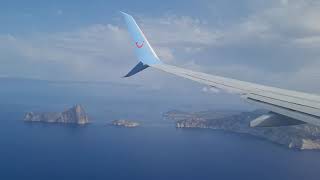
(287, 107)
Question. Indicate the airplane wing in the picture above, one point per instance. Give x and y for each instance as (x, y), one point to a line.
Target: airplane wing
(285, 107)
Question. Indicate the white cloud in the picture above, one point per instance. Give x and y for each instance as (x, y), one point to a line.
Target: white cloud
(87, 53)
(100, 52)
(180, 30)
(172, 35)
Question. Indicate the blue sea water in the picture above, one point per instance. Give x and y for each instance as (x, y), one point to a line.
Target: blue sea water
(97, 151)
(154, 151)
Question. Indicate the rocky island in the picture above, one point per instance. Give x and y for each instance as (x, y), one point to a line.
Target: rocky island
(125, 123)
(74, 115)
(302, 137)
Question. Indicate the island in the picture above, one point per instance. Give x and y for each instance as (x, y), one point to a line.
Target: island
(73, 115)
(302, 137)
(125, 123)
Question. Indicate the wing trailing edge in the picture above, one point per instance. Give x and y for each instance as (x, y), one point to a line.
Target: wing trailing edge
(274, 120)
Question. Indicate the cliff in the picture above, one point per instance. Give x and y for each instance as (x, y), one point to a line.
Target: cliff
(74, 115)
(297, 137)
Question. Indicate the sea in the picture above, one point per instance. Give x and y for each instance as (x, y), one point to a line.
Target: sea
(154, 151)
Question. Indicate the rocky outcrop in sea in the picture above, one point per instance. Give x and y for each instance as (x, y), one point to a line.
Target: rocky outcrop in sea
(125, 123)
(74, 115)
(303, 137)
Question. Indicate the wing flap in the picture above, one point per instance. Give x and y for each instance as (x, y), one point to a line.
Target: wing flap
(302, 116)
(274, 120)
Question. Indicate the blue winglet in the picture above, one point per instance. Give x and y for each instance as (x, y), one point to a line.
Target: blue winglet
(139, 67)
(143, 50)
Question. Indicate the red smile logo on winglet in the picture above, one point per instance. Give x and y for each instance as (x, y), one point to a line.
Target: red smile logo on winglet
(139, 45)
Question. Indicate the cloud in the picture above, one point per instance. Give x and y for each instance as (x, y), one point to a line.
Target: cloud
(277, 42)
(88, 53)
(179, 30)
(102, 52)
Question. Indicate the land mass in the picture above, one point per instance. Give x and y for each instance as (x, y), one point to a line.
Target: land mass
(74, 115)
(302, 137)
(125, 123)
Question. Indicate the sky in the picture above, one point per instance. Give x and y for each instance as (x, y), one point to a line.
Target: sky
(274, 42)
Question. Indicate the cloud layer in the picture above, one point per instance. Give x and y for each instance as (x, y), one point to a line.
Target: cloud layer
(275, 43)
